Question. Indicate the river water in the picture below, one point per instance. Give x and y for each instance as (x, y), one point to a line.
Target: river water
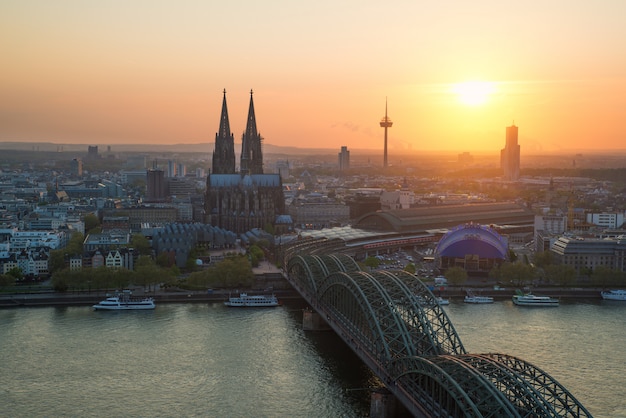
(209, 360)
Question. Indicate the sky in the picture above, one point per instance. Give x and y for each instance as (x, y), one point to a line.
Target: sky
(153, 72)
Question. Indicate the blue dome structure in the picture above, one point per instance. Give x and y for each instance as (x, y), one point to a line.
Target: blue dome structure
(476, 248)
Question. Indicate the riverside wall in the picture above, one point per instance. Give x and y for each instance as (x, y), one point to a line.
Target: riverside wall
(15, 300)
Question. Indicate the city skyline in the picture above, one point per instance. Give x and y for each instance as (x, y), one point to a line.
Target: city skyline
(454, 74)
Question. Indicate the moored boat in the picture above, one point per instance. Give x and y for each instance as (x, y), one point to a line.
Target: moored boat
(251, 301)
(614, 295)
(528, 299)
(123, 302)
(441, 301)
(471, 297)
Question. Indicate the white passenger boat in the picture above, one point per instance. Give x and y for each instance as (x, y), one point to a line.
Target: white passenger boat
(250, 301)
(528, 299)
(471, 297)
(614, 295)
(442, 301)
(124, 302)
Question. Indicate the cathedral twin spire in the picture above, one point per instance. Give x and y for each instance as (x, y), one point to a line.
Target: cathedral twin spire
(224, 154)
(251, 161)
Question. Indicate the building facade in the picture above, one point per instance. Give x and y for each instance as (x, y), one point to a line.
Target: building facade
(606, 219)
(318, 213)
(585, 254)
(155, 187)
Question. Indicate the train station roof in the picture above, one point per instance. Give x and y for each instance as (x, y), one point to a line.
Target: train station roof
(417, 220)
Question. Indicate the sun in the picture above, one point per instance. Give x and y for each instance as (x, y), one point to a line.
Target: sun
(473, 93)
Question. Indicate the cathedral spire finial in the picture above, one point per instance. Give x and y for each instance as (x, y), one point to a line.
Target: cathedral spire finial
(251, 153)
(224, 154)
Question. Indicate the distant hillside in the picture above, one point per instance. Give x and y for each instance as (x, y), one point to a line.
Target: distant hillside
(174, 148)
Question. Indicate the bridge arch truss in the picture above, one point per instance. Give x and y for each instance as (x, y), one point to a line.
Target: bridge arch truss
(394, 323)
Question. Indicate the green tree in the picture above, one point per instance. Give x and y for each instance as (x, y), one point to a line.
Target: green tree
(544, 259)
(141, 244)
(256, 255)
(410, 268)
(16, 273)
(232, 272)
(456, 276)
(372, 262)
(586, 272)
(75, 244)
(603, 276)
(561, 274)
(56, 261)
(519, 274)
(257, 252)
(91, 222)
(190, 264)
(59, 281)
(174, 271)
(269, 228)
(148, 274)
(263, 243)
(164, 260)
(6, 280)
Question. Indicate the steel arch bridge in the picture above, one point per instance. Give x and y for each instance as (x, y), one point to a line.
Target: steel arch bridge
(394, 324)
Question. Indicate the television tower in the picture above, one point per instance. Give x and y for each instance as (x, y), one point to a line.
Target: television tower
(385, 123)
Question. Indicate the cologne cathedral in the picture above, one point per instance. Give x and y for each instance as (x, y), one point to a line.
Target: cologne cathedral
(246, 200)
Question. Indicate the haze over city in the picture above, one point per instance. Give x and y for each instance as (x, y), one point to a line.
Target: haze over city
(455, 74)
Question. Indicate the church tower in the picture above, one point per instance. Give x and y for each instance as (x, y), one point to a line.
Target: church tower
(251, 154)
(240, 202)
(224, 154)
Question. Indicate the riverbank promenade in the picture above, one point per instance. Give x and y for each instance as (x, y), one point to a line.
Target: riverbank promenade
(267, 276)
(50, 298)
(265, 273)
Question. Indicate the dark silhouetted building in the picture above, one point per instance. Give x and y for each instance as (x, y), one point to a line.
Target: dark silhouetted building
(344, 158)
(509, 155)
(156, 190)
(239, 202)
(224, 153)
(76, 167)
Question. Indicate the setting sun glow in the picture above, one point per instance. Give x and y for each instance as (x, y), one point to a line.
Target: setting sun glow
(92, 72)
(473, 93)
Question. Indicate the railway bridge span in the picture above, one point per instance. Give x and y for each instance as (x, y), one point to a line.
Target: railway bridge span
(393, 322)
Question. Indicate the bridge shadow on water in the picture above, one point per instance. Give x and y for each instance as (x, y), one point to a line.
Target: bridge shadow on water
(355, 378)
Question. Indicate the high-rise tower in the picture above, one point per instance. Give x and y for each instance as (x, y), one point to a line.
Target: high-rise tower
(251, 154)
(224, 154)
(344, 159)
(509, 155)
(385, 123)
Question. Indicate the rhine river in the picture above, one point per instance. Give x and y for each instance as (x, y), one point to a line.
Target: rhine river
(207, 360)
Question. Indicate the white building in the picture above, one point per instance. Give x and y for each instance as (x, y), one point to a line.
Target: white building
(399, 199)
(606, 220)
(554, 224)
(22, 240)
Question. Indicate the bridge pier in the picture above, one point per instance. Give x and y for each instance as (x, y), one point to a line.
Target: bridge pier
(382, 404)
(312, 321)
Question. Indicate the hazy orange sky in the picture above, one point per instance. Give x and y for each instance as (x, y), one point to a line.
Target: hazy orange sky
(149, 71)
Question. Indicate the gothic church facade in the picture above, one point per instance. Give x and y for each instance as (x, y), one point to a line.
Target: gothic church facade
(249, 199)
